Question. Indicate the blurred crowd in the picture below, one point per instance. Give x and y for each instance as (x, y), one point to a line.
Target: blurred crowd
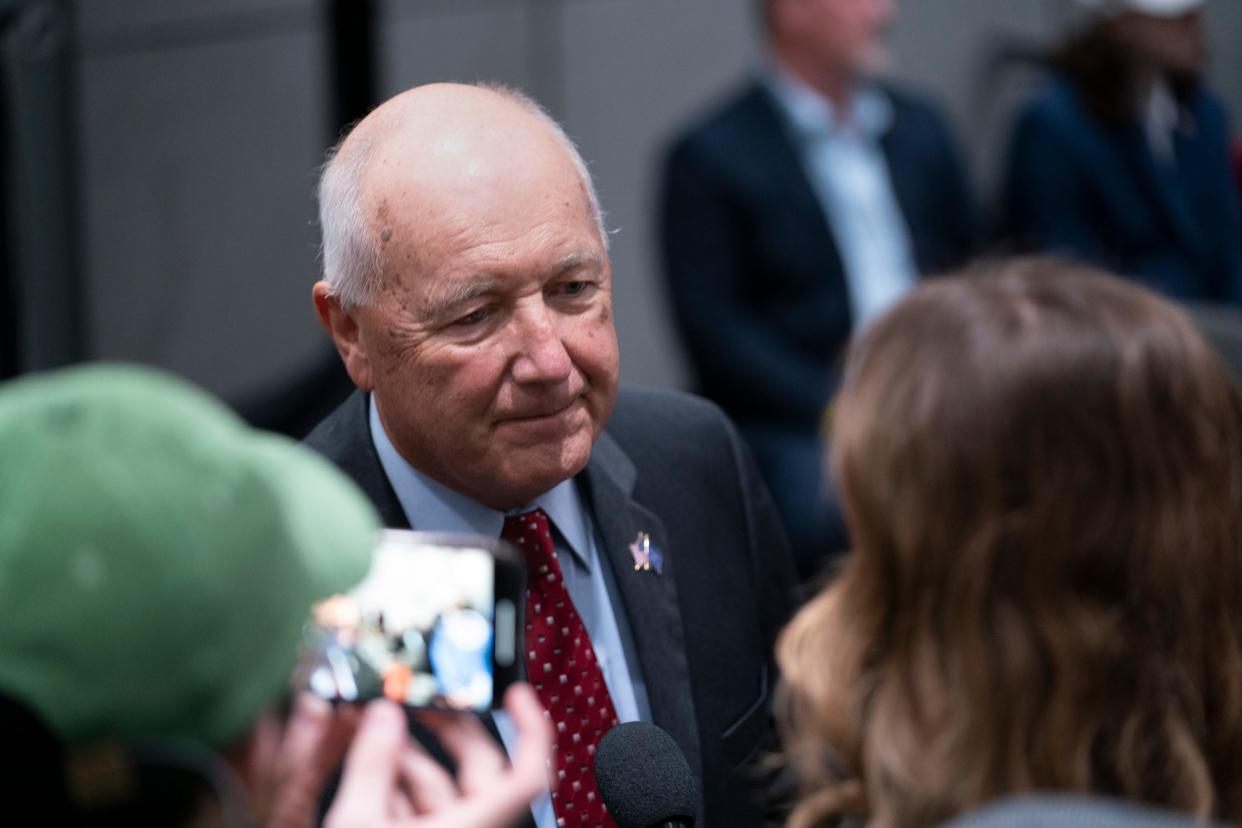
(801, 208)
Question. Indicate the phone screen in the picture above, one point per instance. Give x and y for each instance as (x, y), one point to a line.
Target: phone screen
(433, 624)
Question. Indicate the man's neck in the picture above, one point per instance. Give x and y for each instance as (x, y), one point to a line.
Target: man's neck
(834, 84)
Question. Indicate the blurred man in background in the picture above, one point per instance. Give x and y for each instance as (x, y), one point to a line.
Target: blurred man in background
(802, 207)
(467, 287)
(1122, 160)
(158, 560)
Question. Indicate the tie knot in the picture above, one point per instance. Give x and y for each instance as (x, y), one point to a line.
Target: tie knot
(531, 533)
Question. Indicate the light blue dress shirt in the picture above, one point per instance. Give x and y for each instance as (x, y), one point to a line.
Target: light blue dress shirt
(433, 507)
(845, 164)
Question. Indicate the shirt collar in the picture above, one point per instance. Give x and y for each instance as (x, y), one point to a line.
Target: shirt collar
(813, 115)
(430, 506)
(1161, 115)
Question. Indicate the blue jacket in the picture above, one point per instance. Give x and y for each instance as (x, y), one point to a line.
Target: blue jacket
(1078, 187)
(756, 281)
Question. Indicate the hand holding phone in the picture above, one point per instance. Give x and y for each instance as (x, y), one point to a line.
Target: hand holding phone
(389, 782)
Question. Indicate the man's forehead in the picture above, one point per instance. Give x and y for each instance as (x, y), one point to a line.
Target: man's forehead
(450, 175)
(445, 198)
(457, 175)
(477, 221)
(475, 228)
(465, 133)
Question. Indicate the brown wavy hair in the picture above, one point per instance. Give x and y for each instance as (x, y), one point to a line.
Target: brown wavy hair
(1041, 469)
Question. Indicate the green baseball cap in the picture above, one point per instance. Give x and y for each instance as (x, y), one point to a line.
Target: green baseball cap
(158, 558)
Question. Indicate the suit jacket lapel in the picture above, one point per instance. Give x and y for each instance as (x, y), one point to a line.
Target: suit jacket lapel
(347, 442)
(776, 148)
(650, 599)
(773, 147)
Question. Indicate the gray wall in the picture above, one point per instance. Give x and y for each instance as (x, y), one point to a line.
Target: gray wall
(203, 123)
(201, 126)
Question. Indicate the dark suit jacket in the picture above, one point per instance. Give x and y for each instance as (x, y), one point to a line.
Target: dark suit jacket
(672, 466)
(1076, 186)
(756, 280)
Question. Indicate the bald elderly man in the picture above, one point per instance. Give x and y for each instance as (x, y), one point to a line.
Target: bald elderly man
(467, 287)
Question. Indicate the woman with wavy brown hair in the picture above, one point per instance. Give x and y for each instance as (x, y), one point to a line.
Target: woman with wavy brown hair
(1041, 469)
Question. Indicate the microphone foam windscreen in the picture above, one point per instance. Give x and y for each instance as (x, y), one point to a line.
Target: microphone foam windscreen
(643, 777)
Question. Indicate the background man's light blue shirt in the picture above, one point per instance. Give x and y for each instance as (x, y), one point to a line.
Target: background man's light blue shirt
(845, 164)
(433, 507)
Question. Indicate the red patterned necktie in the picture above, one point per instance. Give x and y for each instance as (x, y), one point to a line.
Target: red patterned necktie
(560, 663)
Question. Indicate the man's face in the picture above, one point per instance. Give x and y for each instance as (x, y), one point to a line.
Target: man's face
(491, 349)
(845, 36)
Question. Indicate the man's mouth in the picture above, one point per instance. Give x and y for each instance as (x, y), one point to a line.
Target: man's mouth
(548, 413)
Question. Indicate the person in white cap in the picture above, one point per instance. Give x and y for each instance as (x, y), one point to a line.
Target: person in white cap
(1122, 160)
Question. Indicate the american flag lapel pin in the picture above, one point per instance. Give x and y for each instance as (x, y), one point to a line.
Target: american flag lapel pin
(647, 558)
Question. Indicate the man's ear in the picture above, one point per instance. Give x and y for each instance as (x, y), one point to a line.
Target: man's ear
(342, 325)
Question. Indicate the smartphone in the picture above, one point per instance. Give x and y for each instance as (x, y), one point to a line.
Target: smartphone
(436, 623)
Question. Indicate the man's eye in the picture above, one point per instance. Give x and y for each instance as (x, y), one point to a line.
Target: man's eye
(574, 288)
(473, 318)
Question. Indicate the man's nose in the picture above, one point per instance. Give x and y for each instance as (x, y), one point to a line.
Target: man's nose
(541, 355)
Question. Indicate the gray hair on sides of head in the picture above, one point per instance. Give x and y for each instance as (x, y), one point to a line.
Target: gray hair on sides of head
(350, 247)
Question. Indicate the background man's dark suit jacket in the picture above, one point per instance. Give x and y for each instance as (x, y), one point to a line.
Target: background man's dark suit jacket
(755, 276)
(672, 466)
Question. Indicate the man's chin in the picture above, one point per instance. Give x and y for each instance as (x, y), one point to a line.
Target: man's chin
(525, 474)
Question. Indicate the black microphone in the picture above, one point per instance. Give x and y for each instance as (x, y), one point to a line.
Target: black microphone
(643, 778)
